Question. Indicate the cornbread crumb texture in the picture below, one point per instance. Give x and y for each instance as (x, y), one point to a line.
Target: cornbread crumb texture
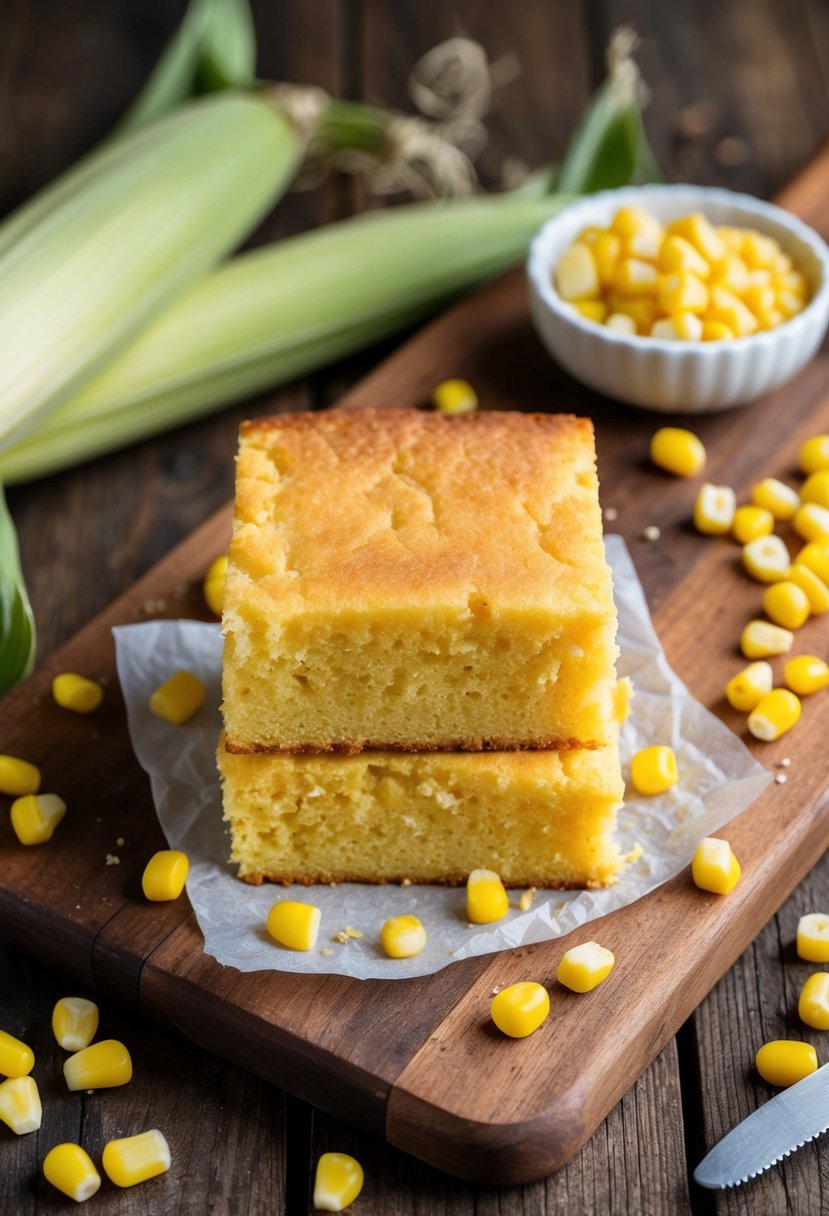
(542, 819)
(418, 581)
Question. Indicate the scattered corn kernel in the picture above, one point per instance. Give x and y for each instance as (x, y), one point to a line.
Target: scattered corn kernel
(812, 522)
(714, 509)
(165, 875)
(35, 816)
(776, 497)
(75, 1022)
(213, 586)
(69, 1168)
(678, 451)
(813, 1003)
(591, 310)
(653, 769)
(783, 1062)
(766, 559)
(786, 604)
(759, 640)
(520, 1008)
(455, 396)
(816, 488)
(716, 331)
(745, 690)
(20, 1107)
(16, 1059)
(294, 924)
(337, 1183)
(134, 1159)
(402, 936)
(817, 593)
(584, 967)
(776, 713)
(714, 867)
(620, 323)
(486, 899)
(815, 556)
(806, 674)
(76, 692)
(100, 1066)
(814, 454)
(179, 698)
(750, 522)
(813, 937)
(18, 776)
(577, 276)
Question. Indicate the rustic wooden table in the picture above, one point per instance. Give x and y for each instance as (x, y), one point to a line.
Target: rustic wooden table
(740, 99)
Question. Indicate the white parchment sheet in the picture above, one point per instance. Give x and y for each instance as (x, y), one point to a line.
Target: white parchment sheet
(718, 779)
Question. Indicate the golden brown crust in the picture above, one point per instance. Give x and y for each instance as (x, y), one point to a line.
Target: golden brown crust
(452, 880)
(456, 745)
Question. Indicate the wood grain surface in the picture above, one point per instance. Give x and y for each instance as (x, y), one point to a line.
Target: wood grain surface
(752, 74)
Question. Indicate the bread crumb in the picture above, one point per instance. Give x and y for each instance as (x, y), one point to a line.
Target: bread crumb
(120, 842)
(405, 882)
(780, 779)
(327, 951)
(611, 514)
(634, 854)
(651, 532)
(525, 902)
(347, 934)
(113, 859)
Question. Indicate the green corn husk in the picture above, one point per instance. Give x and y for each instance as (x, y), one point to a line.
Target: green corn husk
(151, 217)
(17, 626)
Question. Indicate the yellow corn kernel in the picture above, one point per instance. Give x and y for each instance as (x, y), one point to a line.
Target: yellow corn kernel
(591, 310)
(784, 1062)
(777, 713)
(776, 497)
(642, 309)
(584, 967)
(813, 1003)
(786, 604)
(676, 254)
(653, 769)
(759, 250)
(179, 698)
(731, 237)
(757, 278)
(213, 586)
(606, 251)
(520, 1009)
(812, 522)
(76, 692)
(699, 232)
(806, 674)
(69, 1168)
(403, 936)
(294, 924)
(761, 300)
(18, 776)
(729, 308)
(35, 817)
(813, 937)
(102, 1065)
(716, 331)
(714, 867)
(634, 277)
(589, 236)
(770, 318)
(714, 509)
(644, 245)
(20, 1107)
(816, 488)
(759, 640)
(165, 875)
(337, 1183)
(677, 451)
(792, 281)
(746, 690)
(620, 323)
(682, 326)
(750, 522)
(817, 593)
(682, 292)
(75, 1022)
(458, 396)
(576, 276)
(766, 559)
(815, 557)
(16, 1059)
(731, 272)
(630, 221)
(486, 899)
(814, 454)
(789, 304)
(134, 1159)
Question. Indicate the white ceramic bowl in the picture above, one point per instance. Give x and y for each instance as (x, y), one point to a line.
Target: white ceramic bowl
(667, 375)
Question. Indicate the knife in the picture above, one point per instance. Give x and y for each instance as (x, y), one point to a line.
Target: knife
(785, 1123)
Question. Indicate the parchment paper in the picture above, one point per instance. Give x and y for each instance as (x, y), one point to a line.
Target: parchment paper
(718, 779)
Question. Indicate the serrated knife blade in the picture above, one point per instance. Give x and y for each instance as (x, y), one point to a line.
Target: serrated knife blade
(785, 1123)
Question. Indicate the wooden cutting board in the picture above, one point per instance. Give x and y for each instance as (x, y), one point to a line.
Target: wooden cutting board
(418, 1061)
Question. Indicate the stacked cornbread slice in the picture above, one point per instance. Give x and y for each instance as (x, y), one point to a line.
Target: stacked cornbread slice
(419, 651)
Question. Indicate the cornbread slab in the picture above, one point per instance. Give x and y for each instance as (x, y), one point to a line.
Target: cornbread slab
(407, 580)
